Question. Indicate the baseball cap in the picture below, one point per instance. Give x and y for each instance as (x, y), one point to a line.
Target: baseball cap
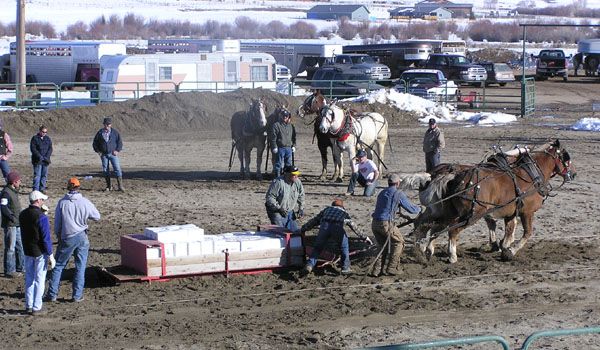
(73, 182)
(394, 179)
(361, 153)
(291, 170)
(432, 121)
(35, 195)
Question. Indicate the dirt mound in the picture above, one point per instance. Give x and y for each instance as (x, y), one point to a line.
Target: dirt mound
(166, 112)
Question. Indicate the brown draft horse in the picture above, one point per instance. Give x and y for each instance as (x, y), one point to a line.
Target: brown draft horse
(313, 105)
(497, 193)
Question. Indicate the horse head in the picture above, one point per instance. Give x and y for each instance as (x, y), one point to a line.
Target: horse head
(562, 161)
(257, 113)
(332, 119)
(312, 104)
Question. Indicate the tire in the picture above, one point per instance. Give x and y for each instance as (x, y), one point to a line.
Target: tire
(565, 78)
(593, 65)
(502, 84)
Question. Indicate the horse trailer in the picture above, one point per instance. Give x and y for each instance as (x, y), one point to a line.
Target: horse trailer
(125, 76)
(63, 61)
(300, 57)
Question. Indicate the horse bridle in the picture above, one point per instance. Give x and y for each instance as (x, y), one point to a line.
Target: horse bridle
(562, 158)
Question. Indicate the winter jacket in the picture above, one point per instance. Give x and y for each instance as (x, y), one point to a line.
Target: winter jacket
(41, 149)
(433, 141)
(283, 135)
(35, 232)
(10, 206)
(114, 142)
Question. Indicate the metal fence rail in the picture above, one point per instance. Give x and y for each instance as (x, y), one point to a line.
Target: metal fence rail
(490, 338)
(557, 333)
(449, 342)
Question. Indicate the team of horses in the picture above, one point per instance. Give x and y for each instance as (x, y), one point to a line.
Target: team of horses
(507, 186)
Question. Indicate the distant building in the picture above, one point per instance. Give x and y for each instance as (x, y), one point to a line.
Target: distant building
(402, 12)
(442, 13)
(335, 12)
(427, 8)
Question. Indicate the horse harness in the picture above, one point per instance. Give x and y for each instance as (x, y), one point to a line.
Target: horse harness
(500, 162)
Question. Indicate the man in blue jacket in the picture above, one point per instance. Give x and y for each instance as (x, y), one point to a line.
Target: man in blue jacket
(70, 227)
(387, 234)
(107, 143)
(41, 150)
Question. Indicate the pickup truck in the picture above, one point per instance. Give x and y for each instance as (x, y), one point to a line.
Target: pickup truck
(551, 63)
(457, 68)
(362, 64)
(336, 82)
(430, 84)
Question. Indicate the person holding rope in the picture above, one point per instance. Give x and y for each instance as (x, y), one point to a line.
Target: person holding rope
(365, 172)
(388, 236)
(331, 221)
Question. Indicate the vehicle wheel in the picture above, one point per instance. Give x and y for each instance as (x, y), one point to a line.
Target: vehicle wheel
(593, 65)
(502, 84)
(565, 78)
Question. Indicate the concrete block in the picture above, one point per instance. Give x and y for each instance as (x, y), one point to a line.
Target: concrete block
(153, 253)
(180, 249)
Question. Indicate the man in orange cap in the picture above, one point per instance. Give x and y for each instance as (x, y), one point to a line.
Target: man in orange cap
(70, 227)
(331, 221)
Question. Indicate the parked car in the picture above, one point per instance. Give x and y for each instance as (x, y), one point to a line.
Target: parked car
(457, 67)
(430, 84)
(498, 73)
(336, 82)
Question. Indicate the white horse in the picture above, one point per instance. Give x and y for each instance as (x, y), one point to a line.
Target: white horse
(367, 131)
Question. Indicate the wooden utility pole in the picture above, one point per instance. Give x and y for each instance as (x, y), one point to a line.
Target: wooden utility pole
(21, 75)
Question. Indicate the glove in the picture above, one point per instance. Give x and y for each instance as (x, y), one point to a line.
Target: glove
(275, 150)
(300, 213)
(293, 149)
(368, 241)
(51, 262)
(283, 212)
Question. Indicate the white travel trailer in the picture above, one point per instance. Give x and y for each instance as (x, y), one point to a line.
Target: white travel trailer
(125, 77)
(52, 61)
(298, 56)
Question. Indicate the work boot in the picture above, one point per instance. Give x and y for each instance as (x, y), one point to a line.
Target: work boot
(108, 186)
(308, 268)
(393, 264)
(120, 184)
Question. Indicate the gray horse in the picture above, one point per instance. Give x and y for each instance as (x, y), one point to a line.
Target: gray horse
(248, 132)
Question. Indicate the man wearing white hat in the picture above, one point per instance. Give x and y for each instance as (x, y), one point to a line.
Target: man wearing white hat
(37, 244)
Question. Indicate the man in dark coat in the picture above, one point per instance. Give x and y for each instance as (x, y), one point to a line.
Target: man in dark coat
(41, 151)
(107, 143)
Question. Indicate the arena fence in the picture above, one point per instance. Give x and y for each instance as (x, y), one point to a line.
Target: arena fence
(491, 338)
(68, 94)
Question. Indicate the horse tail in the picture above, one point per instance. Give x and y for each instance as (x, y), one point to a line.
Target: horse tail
(436, 190)
(414, 181)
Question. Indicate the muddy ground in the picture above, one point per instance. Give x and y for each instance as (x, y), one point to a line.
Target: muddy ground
(176, 171)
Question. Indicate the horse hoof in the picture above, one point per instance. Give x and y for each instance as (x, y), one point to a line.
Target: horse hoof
(419, 256)
(507, 255)
(339, 180)
(495, 247)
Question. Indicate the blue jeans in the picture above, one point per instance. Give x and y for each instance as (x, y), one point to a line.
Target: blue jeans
(329, 230)
(77, 245)
(14, 257)
(357, 177)
(35, 280)
(289, 222)
(5, 168)
(114, 160)
(432, 159)
(40, 173)
(284, 158)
